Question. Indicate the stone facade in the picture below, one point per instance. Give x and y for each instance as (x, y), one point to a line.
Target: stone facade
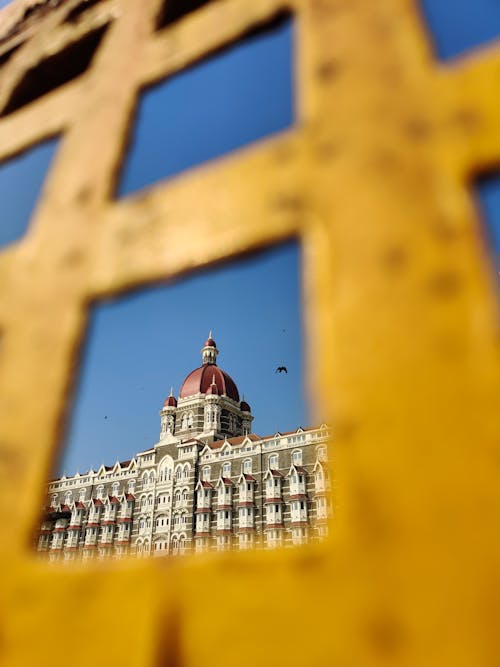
(208, 483)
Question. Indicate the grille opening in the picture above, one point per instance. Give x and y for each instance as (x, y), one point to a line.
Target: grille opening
(54, 71)
(239, 94)
(457, 28)
(487, 192)
(174, 461)
(173, 10)
(21, 180)
(77, 12)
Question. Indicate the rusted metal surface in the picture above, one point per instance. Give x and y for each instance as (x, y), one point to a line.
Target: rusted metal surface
(402, 329)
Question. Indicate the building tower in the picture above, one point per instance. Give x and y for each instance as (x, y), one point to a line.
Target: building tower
(208, 407)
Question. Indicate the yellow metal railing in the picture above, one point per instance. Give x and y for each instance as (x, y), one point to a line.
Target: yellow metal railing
(402, 341)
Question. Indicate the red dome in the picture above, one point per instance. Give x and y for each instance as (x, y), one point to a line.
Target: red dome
(210, 343)
(245, 407)
(199, 381)
(170, 402)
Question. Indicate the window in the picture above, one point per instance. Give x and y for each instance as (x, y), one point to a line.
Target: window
(184, 421)
(247, 466)
(226, 470)
(186, 472)
(190, 420)
(131, 486)
(273, 461)
(297, 457)
(178, 473)
(115, 489)
(185, 495)
(177, 497)
(206, 473)
(321, 453)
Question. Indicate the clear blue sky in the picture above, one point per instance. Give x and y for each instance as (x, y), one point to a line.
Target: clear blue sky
(140, 345)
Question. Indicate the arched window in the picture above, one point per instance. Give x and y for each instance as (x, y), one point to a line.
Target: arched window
(100, 491)
(142, 525)
(177, 497)
(131, 485)
(190, 420)
(226, 469)
(177, 520)
(148, 522)
(184, 421)
(185, 494)
(53, 501)
(297, 457)
(139, 546)
(178, 473)
(247, 466)
(273, 461)
(186, 471)
(152, 477)
(321, 453)
(144, 501)
(81, 495)
(115, 488)
(206, 473)
(150, 502)
(68, 497)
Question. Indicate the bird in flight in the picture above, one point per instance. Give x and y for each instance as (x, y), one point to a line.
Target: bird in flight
(281, 369)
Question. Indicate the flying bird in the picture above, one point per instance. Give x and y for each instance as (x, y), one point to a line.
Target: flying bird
(281, 369)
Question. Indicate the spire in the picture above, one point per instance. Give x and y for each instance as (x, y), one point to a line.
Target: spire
(213, 389)
(209, 351)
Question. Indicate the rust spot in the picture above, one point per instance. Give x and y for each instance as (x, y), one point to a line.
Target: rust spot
(83, 194)
(444, 284)
(328, 70)
(327, 150)
(468, 119)
(385, 634)
(384, 160)
(10, 461)
(288, 202)
(72, 258)
(169, 652)
(394, 258)
(418, 129)
(346, 429)
(443, 231)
